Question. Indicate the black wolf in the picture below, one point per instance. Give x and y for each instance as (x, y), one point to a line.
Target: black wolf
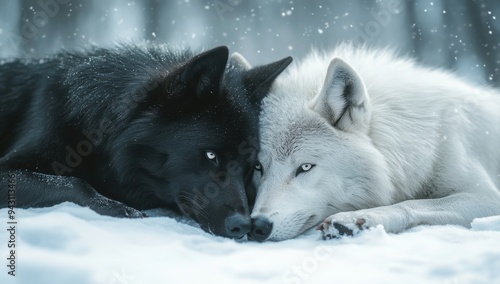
(131, 128)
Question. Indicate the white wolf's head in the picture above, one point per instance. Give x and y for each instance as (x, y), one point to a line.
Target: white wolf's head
(316, 158)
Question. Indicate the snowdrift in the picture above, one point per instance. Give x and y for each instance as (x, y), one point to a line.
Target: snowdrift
(71, 244)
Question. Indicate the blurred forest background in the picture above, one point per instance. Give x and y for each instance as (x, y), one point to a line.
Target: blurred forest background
(461, 35)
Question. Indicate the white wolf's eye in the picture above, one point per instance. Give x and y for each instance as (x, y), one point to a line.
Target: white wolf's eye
(304, 168)
(211, 156)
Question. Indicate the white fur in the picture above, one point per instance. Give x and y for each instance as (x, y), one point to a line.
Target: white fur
(414, 146)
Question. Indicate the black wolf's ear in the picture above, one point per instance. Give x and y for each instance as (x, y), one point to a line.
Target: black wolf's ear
(343, 100)
(202, 75)
(259, 80)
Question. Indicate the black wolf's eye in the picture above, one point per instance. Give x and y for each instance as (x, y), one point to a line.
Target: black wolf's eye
(258, 167)
(304, 168)
(211, 156)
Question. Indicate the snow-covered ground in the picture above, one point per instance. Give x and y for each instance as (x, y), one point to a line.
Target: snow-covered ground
(70, 244)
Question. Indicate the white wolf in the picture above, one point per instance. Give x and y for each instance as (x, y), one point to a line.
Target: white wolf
(364, 138)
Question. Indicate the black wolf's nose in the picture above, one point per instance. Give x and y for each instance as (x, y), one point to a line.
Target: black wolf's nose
(237, 225)
(261, 229)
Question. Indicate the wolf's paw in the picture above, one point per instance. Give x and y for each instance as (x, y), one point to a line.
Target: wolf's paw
(342, 224)
(130, 212)
(109, 207)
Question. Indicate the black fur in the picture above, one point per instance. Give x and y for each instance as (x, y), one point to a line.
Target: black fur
(126, 129)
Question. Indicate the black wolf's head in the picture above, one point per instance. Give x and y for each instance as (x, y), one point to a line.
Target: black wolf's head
(194, 140)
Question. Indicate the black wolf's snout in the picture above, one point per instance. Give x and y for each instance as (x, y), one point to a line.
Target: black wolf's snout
(237, 225)
(261, 229)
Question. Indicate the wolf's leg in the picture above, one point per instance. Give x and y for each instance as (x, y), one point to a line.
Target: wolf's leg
(42, 190)
(457, 209)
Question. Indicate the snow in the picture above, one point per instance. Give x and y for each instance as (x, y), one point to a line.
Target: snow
(70, 244)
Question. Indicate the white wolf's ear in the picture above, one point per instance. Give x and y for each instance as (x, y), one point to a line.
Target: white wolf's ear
(239, 62)
(343, 100)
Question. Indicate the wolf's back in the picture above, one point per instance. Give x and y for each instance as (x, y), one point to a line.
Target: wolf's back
(73, 87)
(20, 83)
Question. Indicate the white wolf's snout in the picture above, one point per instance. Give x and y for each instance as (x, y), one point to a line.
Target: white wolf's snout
(277, 227)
